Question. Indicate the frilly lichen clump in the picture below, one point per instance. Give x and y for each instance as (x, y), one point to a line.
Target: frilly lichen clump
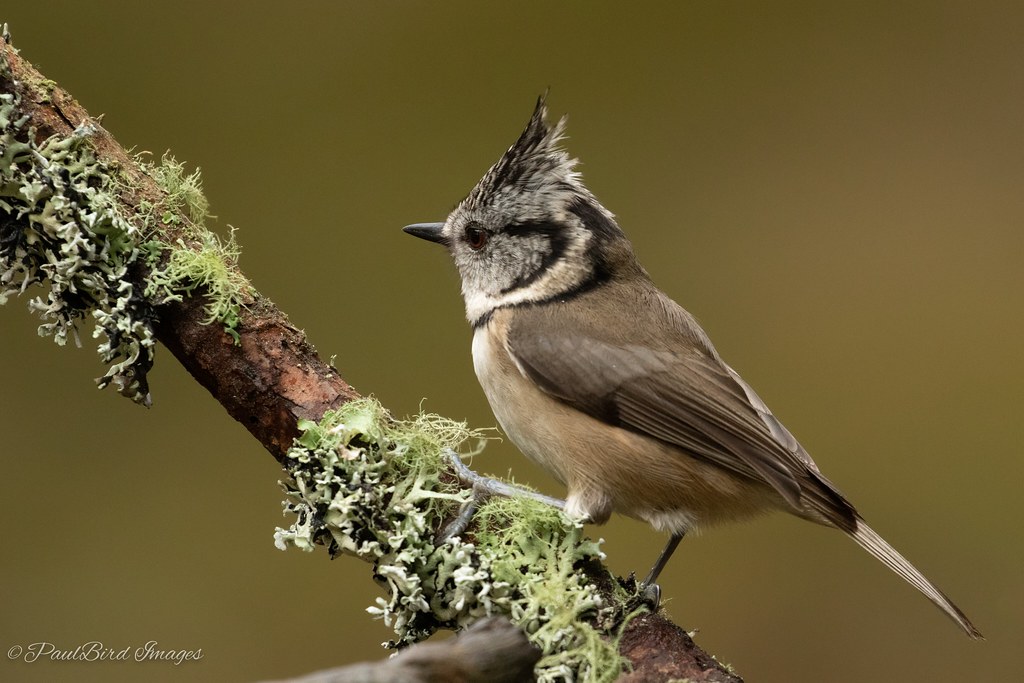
(60, 228)
(372, 487)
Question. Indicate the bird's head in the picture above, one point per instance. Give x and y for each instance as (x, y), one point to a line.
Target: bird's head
(530, 231)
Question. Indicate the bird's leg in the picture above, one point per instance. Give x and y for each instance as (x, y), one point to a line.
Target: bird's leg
(483, 488)
(650, 590)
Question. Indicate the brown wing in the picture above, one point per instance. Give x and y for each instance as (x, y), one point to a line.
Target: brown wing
(658, 375)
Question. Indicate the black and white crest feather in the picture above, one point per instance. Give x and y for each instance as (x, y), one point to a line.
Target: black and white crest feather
(535, 166)
(546, 235)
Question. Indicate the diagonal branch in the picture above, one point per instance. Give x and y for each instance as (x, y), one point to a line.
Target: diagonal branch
(272, 378)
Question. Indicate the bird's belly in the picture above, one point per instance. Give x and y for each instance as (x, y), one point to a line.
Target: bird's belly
(522, 410)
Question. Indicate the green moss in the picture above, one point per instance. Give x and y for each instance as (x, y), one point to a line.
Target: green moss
(210, 265)
(198, 260)
(368, 486)
(533, 547)
(61, 229)
(184, 192)
(44, 89)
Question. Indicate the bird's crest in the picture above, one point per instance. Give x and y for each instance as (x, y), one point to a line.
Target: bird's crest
(535, 165)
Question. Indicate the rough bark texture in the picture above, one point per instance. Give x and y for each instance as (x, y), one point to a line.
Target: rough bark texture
(274, 378)
(667, 653)
(269, 382)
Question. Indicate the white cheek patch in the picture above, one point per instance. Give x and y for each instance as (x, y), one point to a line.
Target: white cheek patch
(568, 272)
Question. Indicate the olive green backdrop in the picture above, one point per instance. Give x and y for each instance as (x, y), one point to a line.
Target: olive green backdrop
(835, 189)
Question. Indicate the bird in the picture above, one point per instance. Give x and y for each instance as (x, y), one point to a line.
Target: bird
(606, 382)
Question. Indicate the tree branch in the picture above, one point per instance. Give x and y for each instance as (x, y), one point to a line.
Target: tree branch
(273, 377)
(490, 651)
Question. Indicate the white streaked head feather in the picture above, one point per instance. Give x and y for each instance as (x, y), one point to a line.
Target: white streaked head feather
(534, 208)
(563, 275)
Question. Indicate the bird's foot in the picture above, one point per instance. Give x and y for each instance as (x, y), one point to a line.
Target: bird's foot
(644, 595)
(458, 526)
(650, 596)
(483, 488)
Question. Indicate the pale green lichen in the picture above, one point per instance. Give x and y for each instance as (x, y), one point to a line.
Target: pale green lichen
(60, 228)
(184, 191)
(210, 265)
(200, 259)
(373, 487)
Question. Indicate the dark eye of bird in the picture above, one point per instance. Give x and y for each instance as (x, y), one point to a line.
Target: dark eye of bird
(476, 238)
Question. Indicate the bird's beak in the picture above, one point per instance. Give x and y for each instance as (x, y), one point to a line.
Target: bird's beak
(428, 231)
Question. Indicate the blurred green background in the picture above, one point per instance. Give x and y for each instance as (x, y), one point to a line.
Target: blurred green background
(834, 189)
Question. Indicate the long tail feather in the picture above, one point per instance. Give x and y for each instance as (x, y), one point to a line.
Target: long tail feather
(877, 546)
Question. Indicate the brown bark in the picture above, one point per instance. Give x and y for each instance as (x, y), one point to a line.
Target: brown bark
(274, 377)
(268, 382)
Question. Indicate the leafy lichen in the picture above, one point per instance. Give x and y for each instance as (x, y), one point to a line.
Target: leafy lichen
(373, 487)
(60, 227)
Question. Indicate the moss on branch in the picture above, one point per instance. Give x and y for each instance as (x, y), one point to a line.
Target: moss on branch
(64, 230)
